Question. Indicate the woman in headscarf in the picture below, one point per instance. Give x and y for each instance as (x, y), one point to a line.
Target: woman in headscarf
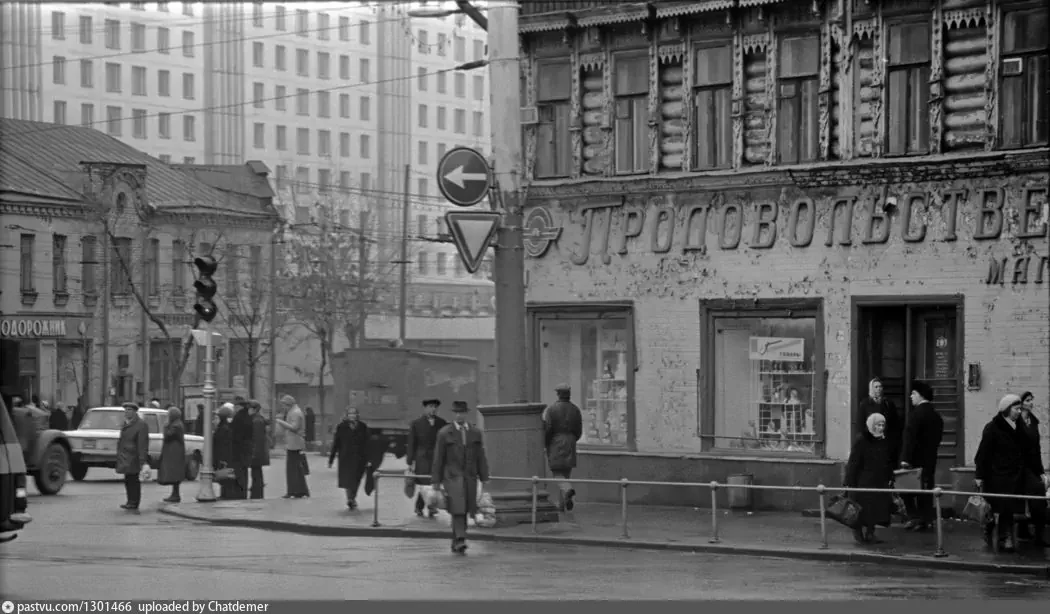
(173, 454)
(1030, 427)
(871, 466)
(222, 447)
(1003, 466)
(877, 403)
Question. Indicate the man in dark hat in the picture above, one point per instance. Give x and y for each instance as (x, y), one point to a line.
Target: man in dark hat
(562, 428)
(422, 436)
(132, 454)
(922, 438)
(459, 462)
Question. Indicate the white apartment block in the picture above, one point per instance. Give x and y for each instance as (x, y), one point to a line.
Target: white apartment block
(335, 98)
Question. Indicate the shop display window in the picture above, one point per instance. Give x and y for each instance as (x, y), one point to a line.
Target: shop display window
(766, 392)
(594, 357)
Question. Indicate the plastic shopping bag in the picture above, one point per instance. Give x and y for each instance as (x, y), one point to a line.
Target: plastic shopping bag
(146, 474)
(486, 516)
(434, 498)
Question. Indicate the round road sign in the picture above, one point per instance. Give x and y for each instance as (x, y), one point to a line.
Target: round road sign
(463, 176)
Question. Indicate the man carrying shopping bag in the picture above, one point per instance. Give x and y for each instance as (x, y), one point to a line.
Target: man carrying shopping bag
(459, 462)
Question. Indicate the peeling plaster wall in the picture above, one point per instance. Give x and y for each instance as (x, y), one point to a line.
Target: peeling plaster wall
(1007, 327)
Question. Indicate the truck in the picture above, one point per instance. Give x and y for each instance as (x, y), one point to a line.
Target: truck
(388, 385)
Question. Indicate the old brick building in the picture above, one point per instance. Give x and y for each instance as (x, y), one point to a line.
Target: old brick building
(740, 211)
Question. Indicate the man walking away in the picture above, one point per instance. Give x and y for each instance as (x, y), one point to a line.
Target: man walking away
(562, 428)
(922, 439)
(350, 444)
(422, 437)
(459, 462)
(132, 454)
(242, 447)
(294, 425)
(260, 448)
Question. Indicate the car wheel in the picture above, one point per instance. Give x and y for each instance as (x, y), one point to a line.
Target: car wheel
(78, 471)
(193, 467)
(51, 475)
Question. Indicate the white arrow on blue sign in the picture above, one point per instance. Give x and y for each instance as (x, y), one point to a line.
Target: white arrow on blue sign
(464, 177)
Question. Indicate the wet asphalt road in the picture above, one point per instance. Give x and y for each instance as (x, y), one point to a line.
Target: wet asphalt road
(82, 546)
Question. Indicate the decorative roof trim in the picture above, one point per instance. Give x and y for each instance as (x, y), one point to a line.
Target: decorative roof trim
(671, 53)
(692, 8)
(964, 18)
(613, 15)
(864, 29)
(545, 23)
(29, 209)
(592, 61)
(755, 42)
(749, 3)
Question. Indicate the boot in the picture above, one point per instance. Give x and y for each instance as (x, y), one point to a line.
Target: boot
(859, 536)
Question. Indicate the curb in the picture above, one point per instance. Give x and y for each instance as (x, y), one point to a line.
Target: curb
(810, 554)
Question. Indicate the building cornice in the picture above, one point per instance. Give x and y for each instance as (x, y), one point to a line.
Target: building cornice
(44, 209)
(847, 173)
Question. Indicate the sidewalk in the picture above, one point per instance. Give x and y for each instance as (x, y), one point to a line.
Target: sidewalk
(776, 534)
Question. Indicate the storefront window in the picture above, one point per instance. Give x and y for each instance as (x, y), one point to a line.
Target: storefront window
(593, 356)
(766, 395)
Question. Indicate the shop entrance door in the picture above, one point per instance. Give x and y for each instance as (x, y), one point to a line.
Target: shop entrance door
(901, 342)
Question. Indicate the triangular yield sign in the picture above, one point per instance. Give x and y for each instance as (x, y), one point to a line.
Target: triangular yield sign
(472, 231)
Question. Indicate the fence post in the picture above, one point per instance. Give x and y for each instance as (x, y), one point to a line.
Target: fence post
(714, 514)
(535, 500)
(937, 493)
(823, 517)
(375, 499)
(623, 507)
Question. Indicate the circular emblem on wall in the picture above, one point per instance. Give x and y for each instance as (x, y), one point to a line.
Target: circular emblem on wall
(540, 232)
(942, 342)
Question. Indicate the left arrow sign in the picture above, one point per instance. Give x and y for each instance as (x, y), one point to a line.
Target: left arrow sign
(459, 178)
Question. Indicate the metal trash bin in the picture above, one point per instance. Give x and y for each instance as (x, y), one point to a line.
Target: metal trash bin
(740, 498)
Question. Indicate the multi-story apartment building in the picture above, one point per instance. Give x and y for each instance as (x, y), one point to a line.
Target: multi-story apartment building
(97, 299)
(337, 99)
(744, 211)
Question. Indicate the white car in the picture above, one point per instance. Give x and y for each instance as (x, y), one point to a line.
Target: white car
(94, 442)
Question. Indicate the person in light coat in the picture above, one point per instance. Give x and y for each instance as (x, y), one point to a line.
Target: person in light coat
(294, 426)
(132, 454)
(172, 465)
(459, 462)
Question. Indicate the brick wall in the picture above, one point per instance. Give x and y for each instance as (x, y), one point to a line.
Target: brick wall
(1006, 326)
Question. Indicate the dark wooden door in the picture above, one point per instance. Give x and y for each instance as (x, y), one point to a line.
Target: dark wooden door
(935, 360)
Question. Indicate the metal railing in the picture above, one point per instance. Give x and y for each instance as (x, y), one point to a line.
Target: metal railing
(714, 486)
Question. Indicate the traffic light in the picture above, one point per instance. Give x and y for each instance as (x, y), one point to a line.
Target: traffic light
(206, 288)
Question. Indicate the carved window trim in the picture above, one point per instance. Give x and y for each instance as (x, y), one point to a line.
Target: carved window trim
(882, 60)
(779, 34)
(735, 85)
(997, 57)
(615, 56)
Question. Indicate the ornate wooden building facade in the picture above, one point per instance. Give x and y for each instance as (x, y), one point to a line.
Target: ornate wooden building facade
(859, 183)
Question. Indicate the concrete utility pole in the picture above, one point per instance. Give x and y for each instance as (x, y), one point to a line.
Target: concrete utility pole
(402, 302)
(504, 85)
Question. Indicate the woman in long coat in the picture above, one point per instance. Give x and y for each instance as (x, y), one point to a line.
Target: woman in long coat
(871, 466)
(172, 468)
(1002, 466)
(350, 444)
(222, 449)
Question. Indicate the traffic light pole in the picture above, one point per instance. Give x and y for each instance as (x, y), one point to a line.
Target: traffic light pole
(509, 261)
(207, 473)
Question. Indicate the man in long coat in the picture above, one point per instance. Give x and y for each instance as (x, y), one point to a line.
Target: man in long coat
(132, 454)
(562, 428)
(260, 448)
(922, 439)
(351, 445)
(422, 437)
(459, 462)
(241, 425)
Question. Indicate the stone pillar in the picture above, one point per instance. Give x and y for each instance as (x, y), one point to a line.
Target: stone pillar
(513, 436)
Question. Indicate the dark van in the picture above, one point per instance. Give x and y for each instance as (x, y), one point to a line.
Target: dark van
(13, 501)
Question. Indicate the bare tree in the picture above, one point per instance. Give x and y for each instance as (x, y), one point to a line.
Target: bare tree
(327, 280)
(248, 311)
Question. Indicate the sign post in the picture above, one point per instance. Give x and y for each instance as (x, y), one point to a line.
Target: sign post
(464, 177)
(472, 232)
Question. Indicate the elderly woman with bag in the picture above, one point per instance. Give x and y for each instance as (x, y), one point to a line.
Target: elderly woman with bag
(172, 464)
(871, 466)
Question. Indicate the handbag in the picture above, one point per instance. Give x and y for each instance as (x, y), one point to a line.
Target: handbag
(844, 510)
(435, 498)
(304, 464)
(978, 510)
(410, 484)
(224, 474)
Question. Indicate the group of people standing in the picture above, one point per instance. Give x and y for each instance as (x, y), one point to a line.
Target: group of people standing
(241, 443)
(1008, 461)
(133, 455)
